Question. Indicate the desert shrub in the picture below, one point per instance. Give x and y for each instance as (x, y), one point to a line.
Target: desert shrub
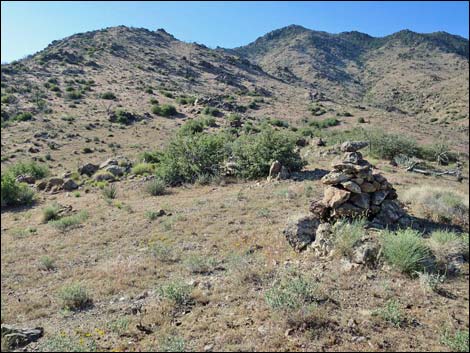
(407, 251)
(67, 222)
(165, 110)
(109, 192)
(183, 100)
(212, 111)
(322, 124)
(74, 94)
(123, 117)
(317, 109)
(172, 344)
(36, 170)
(192, 127)
(143, 168)
(438, 152)
(148, 90)
(176, 291)
(25, 116)
(279, 123)
(62, 342)
(457, 342)
(46, 263)
(8, 99)
(108, 95)
(208, 121)
(439, 204)
(14, 193)
(153, 101)
(444, 243)
(151, 157)
(391, 313)
(347, 235)
(167, 94)
(255, 153)
(189, 156)
(162, 252)
(51, 212)
(199, 264)
(387, 146)
(361, 120)
(291, 291)
(155, 187)
(74, 297)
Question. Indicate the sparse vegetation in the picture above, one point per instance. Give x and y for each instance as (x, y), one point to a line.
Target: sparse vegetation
(407, 251)
(165, 110)
(155, 187)
(14, 193)
(51, 212)
(176, 291)
(347, 235)
(74, 297)
(65, 223)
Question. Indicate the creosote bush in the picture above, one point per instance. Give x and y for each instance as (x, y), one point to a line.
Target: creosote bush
(14, 193)
(165, 110)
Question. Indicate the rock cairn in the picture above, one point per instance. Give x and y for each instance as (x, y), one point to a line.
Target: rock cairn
(352, 190)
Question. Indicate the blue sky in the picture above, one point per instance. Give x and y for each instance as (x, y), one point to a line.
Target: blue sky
(28, 27)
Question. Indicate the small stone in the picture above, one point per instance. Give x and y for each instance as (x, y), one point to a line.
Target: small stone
(360, 200)
(379, 196)
(366, 254)
(70, 185)
(88, 169)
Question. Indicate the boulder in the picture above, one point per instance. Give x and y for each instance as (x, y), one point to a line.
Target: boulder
(352, 186)
(284, 173)
(28, 179)
(70, 185)
(333, 197)
(300, 231)
(366, 253)
(115, 170)
(88, 169)
(54, 181)
(108, 162)
(353, 146)
(16, 337)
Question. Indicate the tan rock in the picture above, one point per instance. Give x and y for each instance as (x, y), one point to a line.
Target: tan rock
(334, 197)
(351, 186)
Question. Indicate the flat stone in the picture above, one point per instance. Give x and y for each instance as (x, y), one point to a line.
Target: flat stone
(347, 209)
(88, 169)
(379, 196)
(360, 200)
(351, 186)
(352, 157)
(333, 197)
(353, 146)
(368, 187)
(335, 178)
(390, 212)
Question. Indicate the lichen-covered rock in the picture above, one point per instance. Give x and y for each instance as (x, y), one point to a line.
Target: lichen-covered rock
(300, 230)
(335, 178)
(351, 186)
(349, 210)
(323, 244)
(366, 253)
(88, 169)
(15, 337)
(333, 197)
(353, 146)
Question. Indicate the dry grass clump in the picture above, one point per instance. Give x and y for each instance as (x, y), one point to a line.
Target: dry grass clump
(439, 204)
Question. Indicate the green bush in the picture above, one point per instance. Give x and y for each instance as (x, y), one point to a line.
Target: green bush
(155, 187)
(165, 110)
(388, 146)
(183, 100)
(123, 117)
(189, 156)
(254, 153)
(108, 95)
(211, 111)
(176, 291)
(323, 124)
(109, 192)
(8, 99)
(51, 212)
(143, 168)
(25, 116)
(279, 123)
(14, 193)
(347, 235)
(37, 171)
(172, 344)
(74, 297)
(391, 313)
(74, 94)
(407, 251)
(65, 223)
(291, 292)
(192, 127)
(458, 342)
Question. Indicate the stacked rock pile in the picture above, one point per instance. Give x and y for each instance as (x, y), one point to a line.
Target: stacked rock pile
(354, 191)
